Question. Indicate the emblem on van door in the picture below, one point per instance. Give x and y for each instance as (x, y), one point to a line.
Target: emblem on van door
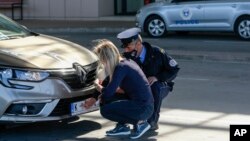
(186, 14)
(80, 71)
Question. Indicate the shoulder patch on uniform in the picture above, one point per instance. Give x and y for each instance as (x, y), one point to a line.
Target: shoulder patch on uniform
(172, 63)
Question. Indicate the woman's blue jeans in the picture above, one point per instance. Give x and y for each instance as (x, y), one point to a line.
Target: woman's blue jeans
(127, 111)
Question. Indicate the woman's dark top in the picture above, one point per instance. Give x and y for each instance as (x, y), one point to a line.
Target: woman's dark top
(129, 77)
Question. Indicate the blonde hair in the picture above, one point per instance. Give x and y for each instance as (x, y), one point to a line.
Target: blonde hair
(108, 54)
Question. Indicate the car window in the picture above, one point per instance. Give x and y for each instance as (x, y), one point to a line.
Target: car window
(11, 30)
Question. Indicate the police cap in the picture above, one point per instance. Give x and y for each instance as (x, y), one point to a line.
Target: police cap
(128, 36)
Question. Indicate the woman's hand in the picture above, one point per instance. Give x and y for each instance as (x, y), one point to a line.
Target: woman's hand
(89, 102)
(98, 86)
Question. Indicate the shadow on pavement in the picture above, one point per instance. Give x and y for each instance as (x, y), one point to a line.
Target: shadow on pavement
(146, 137)
(70, 129)
(62, 130)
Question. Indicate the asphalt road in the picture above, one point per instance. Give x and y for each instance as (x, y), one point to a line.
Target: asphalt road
(209, 42)
(208, 97)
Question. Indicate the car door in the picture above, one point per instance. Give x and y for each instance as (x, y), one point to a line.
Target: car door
(185, 15)
(219, 14)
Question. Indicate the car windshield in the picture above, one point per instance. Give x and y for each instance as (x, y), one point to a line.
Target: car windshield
(11, 30)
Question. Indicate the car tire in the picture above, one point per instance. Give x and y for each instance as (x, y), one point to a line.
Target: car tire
(242, 28)
(155, 27)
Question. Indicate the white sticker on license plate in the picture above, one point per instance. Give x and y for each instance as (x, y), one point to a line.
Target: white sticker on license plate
(78, 107)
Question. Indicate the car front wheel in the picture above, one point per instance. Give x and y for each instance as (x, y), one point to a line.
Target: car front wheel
(155, 27)
(243, 28)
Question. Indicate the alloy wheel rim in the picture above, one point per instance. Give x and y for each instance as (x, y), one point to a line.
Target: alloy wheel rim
(244, 29)
(156, 27)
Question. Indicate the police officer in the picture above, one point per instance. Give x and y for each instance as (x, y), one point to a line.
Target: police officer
(159, 68)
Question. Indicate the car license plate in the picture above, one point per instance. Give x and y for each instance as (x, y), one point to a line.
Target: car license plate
(78, 108)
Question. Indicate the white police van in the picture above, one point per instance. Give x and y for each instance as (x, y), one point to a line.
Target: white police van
(195, 15)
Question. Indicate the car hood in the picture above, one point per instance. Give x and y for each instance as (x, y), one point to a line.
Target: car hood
(43, 52)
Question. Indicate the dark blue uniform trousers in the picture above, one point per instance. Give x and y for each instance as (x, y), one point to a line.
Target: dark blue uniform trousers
(160, 90)
(126, 111)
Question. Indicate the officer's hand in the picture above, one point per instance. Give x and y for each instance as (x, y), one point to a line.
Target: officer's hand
(98, 86)
(152, 80)
(89, 102)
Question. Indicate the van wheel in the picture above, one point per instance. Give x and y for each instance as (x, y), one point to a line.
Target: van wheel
(155, 27)
(242, 28)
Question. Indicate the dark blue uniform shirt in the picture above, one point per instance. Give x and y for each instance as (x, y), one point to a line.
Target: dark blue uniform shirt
(129, 77)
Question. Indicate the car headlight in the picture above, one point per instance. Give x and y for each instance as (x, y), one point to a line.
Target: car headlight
(30, 75)
(7, 74)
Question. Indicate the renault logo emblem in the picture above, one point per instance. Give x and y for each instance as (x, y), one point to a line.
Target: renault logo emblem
(81, 72)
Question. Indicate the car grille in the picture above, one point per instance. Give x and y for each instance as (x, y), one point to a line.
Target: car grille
(73, 80)
(63, 106)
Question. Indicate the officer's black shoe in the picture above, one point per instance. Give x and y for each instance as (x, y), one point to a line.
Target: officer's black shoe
(154, 126)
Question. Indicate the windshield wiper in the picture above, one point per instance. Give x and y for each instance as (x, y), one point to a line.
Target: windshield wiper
(34, 34)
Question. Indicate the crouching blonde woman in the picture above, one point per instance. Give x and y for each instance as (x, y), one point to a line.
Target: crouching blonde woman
(126, 76)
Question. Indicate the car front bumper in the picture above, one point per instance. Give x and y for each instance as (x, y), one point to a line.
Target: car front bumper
(48, 100)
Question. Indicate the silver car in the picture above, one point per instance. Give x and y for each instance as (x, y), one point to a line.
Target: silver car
(42, 78)
(195, 15)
